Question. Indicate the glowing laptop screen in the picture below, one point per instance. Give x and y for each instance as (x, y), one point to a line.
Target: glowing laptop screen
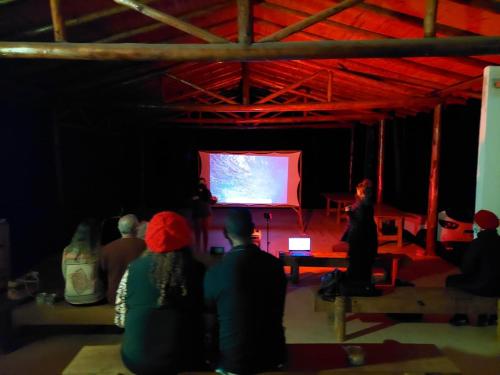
(299, 244)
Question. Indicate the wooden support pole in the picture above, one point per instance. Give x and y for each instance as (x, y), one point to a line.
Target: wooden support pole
(430, 18)
(296, 107)
(210, 93)
(329, 89)
(318, 17)
(434, 183)
(381, 157)
(172, 21)
(245, 76)
(289, 87)
(58, 21)
(245, 24)
(456, 46)
(351, 159)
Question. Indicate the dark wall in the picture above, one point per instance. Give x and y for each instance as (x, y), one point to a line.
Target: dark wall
(172, 159)
(408, 152)
(103, 167)
(27, 183)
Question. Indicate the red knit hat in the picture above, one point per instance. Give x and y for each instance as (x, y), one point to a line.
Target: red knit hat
(167, 231)
(486, 219)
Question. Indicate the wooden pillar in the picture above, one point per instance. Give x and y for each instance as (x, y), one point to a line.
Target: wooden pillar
(330, 86)
(351, 159)
(381, 157)
(434, 183)
(58, 21)
(430, 18)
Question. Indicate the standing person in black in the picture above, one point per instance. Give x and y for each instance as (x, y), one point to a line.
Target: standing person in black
(361, 236)
(247, 289)
(201, 201)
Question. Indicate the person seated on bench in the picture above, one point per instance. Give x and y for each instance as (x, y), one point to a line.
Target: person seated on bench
(80, 266)
(361, 235)
(480, 263)
(159, 302)
(116, 255)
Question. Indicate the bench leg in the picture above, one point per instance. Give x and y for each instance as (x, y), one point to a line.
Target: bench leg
(498, 321)
(339, 322)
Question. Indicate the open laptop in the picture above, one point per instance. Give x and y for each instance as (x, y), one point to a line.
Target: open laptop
(299, 246)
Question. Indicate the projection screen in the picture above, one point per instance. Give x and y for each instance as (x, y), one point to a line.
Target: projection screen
(253, 178)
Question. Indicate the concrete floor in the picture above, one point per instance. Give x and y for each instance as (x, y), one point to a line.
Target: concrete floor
(475, 350)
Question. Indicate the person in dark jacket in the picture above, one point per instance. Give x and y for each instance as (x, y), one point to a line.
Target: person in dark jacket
(160, 302)
(116, 255)
(481, 260)
(247, 289)
(201, 205)
(361, 235)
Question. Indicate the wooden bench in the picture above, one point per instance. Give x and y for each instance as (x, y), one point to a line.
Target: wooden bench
(408, 300)
(417, 359)
(389, 262)
(62, 313)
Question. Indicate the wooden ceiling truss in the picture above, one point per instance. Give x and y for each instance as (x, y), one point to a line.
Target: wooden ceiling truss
(272, 62)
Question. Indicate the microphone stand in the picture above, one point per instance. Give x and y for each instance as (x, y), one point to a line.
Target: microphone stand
(267, 234)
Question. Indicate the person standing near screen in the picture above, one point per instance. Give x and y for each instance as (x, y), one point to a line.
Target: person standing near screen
(201, 201)
(361, 236)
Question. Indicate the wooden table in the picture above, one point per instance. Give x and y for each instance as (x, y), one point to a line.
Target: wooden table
(341, 199)
(383, 212)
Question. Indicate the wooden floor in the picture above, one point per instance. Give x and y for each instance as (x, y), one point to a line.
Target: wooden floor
(469, 348)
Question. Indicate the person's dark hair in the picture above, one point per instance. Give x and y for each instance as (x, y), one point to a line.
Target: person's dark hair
(366, 186)
(239, 222)
(168, 274)
(87, 231)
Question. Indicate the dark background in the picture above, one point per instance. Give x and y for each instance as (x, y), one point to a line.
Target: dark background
(106, 169)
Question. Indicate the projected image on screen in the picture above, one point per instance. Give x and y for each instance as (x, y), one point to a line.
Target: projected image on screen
(249, 179)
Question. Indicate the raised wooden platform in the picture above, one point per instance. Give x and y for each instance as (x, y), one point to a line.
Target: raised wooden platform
(384, 359)
(408, 300)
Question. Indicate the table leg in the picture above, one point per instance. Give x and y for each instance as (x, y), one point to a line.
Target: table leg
(339, 207)
(328, 206)
(294, 272)
(400, 232)
(339, 322)
(498, 321)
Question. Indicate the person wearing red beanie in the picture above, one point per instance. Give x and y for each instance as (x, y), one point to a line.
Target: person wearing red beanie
(160, 302)
(480, 262)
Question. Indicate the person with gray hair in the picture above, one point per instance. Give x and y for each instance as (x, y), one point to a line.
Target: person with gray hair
(116, 256)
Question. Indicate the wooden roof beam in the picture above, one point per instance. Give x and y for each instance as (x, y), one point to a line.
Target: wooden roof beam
(297, 107)
(90, 17)
(286, 120)
(318, 17)
(290, 87)
(456, 46)
(269, 82)
(230, 79)
(201, 89)
(172, 21)
(464, 85)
